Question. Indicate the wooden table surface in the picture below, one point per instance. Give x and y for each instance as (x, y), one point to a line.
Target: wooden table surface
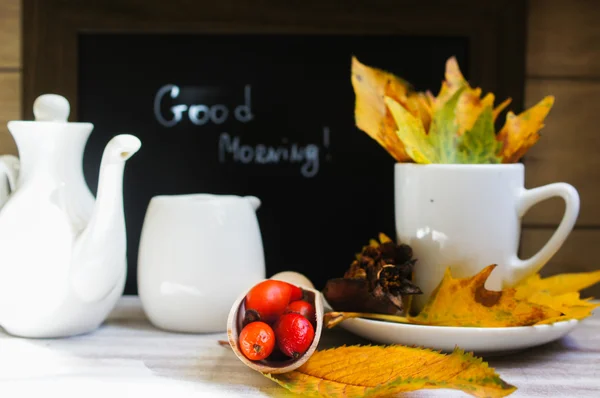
(127, 356)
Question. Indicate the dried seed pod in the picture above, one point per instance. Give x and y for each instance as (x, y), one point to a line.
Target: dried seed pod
(376, 281)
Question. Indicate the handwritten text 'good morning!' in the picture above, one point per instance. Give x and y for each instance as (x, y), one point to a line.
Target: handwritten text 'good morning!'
(230, 147)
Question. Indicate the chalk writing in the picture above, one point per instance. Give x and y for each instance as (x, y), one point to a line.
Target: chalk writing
(200, 114)
(232, 148)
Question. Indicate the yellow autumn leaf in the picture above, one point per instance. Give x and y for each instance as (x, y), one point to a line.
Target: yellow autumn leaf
(374, 87)
(374, 371)
(454, 81)
(521, 132)
(419, 105)
(466, 302)
(469, 107)
(383, 238)
(470, 104)
(371, 85)
(569, 304)
(501, 107)
(560, 292)
(558, 284)
(412, 133)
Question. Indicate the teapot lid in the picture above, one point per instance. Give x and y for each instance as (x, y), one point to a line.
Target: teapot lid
(49, 110)
(52, 108)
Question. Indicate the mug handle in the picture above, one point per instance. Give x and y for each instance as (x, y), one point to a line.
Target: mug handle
(9, 167)
(530, 197)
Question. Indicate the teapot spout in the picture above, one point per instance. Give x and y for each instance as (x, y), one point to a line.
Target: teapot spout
(99, 254)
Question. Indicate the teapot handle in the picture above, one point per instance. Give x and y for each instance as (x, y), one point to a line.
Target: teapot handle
(9, 167)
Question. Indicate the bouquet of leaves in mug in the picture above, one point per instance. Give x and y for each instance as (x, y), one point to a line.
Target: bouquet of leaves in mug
(455, 127)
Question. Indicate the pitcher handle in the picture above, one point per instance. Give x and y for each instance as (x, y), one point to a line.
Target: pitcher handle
(529, 197)
(9, 167)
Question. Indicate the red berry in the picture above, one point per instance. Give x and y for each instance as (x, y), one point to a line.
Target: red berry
(296, 293)
(303, 308)
(257, 341)
(294, 334)
(267, 300)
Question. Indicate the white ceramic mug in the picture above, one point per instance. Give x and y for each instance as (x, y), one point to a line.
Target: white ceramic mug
(197, 253)
(467, 217)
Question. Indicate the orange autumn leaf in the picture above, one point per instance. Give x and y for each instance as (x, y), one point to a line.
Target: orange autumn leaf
(374, 371)
(501, 107)
(466, 302)
(418, 105)
(521, 132)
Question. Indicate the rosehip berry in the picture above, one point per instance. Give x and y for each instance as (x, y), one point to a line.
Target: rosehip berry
(267, 300)
(294, 334)
(303, 308)
(257, 341)
(296, 293)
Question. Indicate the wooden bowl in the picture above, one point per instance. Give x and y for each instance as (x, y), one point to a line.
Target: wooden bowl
(236, 316)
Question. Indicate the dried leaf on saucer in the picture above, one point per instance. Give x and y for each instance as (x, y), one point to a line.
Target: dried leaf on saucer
(374, 371)
(561, 293)
(534, 301)
(557, 284)
(569, 305)
(466, 302)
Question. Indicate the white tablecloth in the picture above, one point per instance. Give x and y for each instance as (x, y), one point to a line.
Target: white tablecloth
(128, 357)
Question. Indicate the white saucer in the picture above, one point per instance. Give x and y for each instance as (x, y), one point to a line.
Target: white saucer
(492, 341)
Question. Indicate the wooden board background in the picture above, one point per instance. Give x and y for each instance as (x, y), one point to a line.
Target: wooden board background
(10, 70)
(563, 58)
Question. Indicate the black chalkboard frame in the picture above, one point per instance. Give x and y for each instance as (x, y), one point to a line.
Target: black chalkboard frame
(496, 31)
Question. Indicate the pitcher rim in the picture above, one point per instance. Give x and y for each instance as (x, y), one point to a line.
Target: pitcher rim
(195, 197)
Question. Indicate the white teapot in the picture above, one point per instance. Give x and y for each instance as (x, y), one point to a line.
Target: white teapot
(62, 252)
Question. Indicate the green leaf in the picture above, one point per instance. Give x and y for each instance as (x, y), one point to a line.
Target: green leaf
(440, 145)
(444, 130)
(443, 143)
(479, 145)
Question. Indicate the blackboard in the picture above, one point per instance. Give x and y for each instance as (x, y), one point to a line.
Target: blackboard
(254, 98)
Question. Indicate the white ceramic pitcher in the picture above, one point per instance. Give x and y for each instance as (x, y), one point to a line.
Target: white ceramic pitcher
(197, 253)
